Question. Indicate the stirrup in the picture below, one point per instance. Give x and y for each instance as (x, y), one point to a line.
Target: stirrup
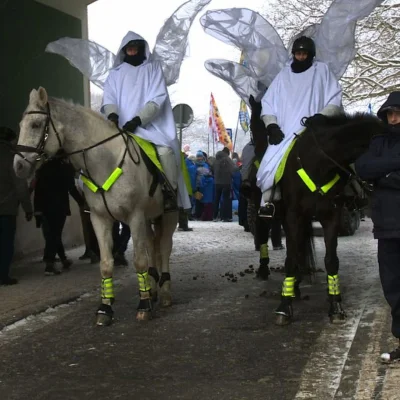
(267, 210)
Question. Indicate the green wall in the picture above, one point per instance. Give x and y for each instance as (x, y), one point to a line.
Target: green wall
(25, 29)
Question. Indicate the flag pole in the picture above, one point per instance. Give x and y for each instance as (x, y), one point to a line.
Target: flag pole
(208, 143)
(234, 141)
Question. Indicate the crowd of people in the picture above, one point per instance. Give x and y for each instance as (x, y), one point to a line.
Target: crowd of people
(215, 183)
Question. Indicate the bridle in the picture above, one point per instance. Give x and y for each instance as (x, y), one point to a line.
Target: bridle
(39, 149)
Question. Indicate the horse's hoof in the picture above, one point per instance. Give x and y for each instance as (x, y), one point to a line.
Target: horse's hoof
(263, 273)
(282, 319)
(338, 319)
(166, 300)
(104, 320)
(143, 315)
(104, 315)
(336, 313)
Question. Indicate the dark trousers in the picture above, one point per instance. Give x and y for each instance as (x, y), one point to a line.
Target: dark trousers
(120, 237)
(276, 232)
(389, 271)
(89, 236)
(183, 219)
(198, 209)
(242, 212)
(52, 227)
(226, 206)
(8, 224)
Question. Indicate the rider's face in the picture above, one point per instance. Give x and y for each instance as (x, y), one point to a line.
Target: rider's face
(393, 116)
(300, 55)
(132, 50)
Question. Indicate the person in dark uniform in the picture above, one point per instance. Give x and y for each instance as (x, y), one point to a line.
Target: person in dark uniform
(381, 165)
(55, 181)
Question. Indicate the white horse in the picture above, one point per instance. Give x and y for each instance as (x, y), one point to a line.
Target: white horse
(95, 146)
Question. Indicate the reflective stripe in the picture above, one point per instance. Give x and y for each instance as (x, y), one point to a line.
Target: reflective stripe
(91, 186)
(329, 185)
(107, 288)
(107, 184)
(288, 286)
(311, 185)
(112, 179)
(264, 250)
(282, 165)
(333, 285)
(144, 281)
(149, 149)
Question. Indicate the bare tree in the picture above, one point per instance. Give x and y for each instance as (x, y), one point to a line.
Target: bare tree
(375, 71)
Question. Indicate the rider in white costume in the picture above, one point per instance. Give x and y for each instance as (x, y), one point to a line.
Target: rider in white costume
(304, 88)
(136, 98)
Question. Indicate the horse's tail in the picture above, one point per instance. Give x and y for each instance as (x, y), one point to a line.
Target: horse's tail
(310, 265)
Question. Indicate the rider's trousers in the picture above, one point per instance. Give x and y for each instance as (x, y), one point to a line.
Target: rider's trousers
(168, 162)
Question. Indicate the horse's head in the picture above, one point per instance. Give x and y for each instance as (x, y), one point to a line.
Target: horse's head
(257, 127)
(39, 135)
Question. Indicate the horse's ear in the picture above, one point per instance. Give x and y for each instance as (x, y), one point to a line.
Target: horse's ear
(252, 101)
(33, 96)
(42, 96)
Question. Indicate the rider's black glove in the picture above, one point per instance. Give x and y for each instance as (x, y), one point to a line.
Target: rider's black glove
(114, 118)
(132, 124)
(275, 135)
(316, 119)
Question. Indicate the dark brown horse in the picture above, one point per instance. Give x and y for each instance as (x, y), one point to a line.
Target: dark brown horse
(321, 155)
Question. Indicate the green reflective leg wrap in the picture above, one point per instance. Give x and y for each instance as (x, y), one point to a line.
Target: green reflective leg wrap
(288, 287)
(144, 281)
(264, 251)
(333, 285)
(107, 288)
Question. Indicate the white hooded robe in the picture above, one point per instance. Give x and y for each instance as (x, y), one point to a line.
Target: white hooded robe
(290, 97)
(129, 88)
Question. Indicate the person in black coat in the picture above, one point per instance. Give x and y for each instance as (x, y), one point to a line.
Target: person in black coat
(381, 165)
(54, 182)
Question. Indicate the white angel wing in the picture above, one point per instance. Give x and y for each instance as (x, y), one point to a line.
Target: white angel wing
(335, 36)
(171, 42)
(263, 49)
(238, 76)
(93, 60)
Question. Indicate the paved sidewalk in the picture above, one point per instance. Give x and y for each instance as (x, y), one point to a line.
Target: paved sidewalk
(36, 292)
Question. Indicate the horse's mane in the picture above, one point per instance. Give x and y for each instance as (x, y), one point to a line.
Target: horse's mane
(71, 106)
(358, 121)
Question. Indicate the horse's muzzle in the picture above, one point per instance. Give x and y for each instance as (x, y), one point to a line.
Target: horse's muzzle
(22, 167)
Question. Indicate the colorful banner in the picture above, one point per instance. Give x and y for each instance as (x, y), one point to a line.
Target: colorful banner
(244, 117)
(216, 126)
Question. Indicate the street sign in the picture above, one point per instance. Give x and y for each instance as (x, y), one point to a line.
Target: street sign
(183, 116)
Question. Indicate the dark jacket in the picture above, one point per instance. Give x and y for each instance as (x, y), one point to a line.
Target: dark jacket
(55, 180)
(381, 166)
(13, 190)
(223, 168)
